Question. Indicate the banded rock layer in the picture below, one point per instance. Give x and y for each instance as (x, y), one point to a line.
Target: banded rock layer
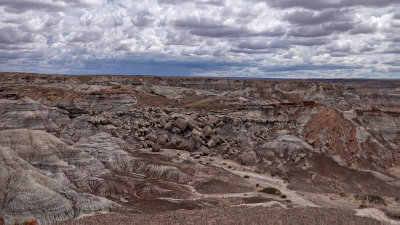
(72, 145)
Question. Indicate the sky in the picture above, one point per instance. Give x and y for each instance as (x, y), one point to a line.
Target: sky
(217, 38)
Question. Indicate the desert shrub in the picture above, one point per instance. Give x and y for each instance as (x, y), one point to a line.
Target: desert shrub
(257, 185)
(245, 176)
(283, 196)
(342, 195)
(271, 190)
(373, 199)
(229, 167)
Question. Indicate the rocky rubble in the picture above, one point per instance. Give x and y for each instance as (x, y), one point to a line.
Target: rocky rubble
(79, 144)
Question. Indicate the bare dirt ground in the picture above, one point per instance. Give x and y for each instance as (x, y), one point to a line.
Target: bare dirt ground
(235, 215)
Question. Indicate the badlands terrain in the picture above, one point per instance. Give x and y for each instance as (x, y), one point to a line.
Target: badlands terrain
(167, 150)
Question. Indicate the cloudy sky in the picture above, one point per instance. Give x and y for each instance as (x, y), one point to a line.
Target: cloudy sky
(244, 38)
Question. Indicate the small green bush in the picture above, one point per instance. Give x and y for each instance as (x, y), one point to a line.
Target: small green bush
(271, 190)
(283, 196)
(257, 185)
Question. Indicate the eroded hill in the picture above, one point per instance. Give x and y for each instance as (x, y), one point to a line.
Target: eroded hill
(73, 145)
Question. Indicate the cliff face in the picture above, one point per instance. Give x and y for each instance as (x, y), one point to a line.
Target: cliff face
(71, 145)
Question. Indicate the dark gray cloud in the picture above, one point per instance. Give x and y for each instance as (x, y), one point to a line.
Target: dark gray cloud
(21, 6)
(303, 37)
(363, 28)
(224, 31)
(215, 29)
(197, 23)
(257, 45)
(310, 31)
(308, 67)
(340, 26)
(24, 5)
(208, 2)
(310, 41)
(12, 36)
(318, 5)
(309, 17)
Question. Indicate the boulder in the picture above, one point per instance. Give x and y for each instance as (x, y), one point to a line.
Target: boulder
(168, 126)
(180, 123)
(192, 124)
(156, 148)
(197, 134)
(152, 137)
(164, 120)
(176, 130)
(207, 131)
(247, 158)
(188, 145)
(211, 143)
(150, 143)
(162, 139)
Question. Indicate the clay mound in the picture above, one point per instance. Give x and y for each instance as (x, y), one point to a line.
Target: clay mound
(33, 143)
(27, 192)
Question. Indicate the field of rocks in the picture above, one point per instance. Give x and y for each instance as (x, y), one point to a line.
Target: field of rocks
(166, 150)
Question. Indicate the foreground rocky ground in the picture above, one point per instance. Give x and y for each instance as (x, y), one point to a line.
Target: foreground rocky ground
(134, 145)
(235, 215)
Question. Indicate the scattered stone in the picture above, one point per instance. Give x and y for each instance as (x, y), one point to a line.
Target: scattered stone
(247, 158)
(162, 139)
(180, 123)
(150, 143)
(211, 143)
(197, 134)
(207, 131)
(156, 148)
(168, 126)
(152, 137)
(176, 130)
